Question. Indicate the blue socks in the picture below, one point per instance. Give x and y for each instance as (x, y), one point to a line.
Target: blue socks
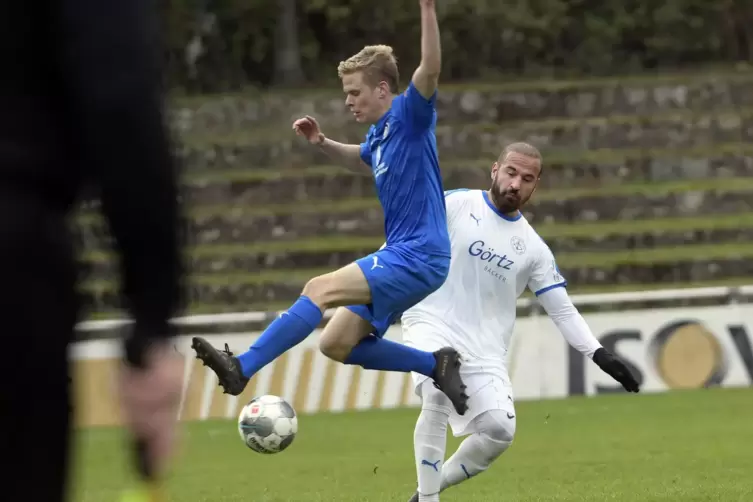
(375, 353)
(287, 331)
(295, 325)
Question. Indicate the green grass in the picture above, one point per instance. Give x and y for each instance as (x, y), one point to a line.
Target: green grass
(689, 446)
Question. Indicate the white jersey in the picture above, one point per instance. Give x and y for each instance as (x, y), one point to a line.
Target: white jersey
(494, 258)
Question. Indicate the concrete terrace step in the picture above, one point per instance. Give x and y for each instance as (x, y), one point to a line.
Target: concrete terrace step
(642, 200)
(676, 130)
(480, 101)
(326, 185)
(654, 266)
(253, 254)
(318, 185)
(226, 261)
(561, 169)
(96, 294)
(332, 183)
(253, 221)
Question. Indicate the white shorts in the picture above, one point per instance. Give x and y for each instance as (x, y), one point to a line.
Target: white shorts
(486, 391)
(488, 382)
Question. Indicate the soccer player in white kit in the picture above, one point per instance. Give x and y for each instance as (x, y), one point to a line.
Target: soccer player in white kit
(496, 254)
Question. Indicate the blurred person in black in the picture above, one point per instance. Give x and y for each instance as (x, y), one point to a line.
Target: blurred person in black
(81, 103)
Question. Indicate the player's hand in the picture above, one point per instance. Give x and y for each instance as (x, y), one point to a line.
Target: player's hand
(427, 3)
(150, 396)
(308, 127)
(614, 367)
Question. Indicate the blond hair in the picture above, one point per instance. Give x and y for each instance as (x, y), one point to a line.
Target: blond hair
(377, 62)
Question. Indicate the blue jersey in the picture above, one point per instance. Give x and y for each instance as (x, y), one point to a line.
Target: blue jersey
(401, 150)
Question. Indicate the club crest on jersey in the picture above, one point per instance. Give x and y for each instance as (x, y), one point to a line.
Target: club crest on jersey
(495, 260)
(518, 245)
(381, 167)
(556, 274)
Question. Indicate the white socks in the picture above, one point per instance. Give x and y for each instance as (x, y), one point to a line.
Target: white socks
(477, 452)
(494, 434)
(429, 440)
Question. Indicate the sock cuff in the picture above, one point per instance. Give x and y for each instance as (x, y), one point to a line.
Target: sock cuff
(308, 311)
(353, 358)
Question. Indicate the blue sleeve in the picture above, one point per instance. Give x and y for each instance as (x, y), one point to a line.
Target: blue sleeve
(416, 110)
(366, 153)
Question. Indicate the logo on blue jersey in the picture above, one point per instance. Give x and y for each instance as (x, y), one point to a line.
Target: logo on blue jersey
(495, 262)
(381, 167)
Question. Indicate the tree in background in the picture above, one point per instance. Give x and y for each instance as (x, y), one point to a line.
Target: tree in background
(261, 43)
(287, 59)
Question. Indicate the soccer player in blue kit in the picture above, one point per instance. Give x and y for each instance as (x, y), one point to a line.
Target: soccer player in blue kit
(400, 151)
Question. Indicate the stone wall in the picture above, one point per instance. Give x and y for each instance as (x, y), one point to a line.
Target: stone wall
(646, 183)
(483, 102)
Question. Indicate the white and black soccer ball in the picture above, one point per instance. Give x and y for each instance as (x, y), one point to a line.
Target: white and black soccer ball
(268, 424)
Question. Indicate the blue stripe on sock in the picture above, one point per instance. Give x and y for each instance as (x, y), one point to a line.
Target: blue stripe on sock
(465, 471)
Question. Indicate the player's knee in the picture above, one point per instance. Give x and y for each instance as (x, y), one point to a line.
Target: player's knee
(318, 290)
(498, 431)
(500, 435)
(335, 347)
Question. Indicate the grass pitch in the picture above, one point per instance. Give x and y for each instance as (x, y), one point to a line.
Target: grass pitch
(679, 447)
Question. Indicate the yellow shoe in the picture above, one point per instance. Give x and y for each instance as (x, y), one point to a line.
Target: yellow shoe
(144, 494)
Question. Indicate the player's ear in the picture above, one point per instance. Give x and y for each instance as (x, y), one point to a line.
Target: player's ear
(383, 88)
(495, 167)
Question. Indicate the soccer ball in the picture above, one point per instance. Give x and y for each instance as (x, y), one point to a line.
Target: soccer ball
(268, 424)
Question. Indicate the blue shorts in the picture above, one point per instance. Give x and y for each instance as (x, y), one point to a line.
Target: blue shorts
(399, 277)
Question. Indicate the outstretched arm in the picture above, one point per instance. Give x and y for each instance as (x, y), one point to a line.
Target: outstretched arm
(355, 158)
(348, 156)
(426, 76)
(574, 328)
(569, 321)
